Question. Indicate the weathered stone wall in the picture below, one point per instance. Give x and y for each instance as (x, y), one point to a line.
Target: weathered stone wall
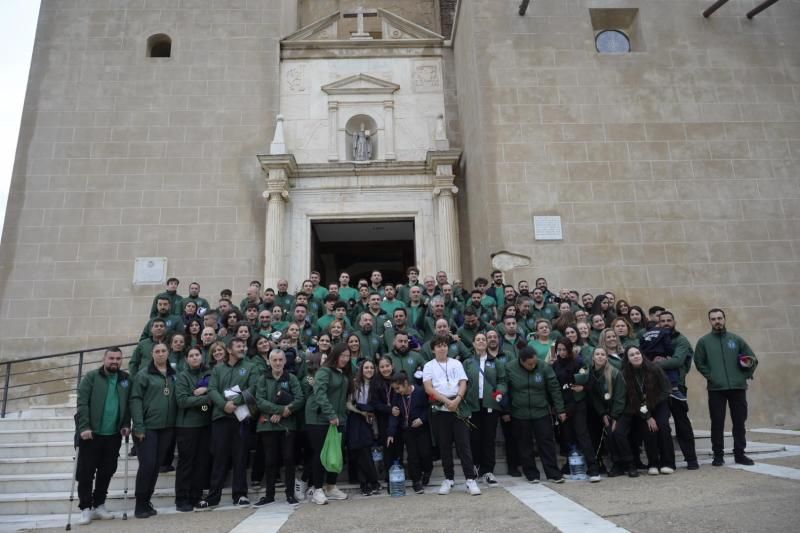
(675, 169)
(121, 156)
(423, 12)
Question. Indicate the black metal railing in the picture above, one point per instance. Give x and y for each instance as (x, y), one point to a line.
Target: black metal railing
(49, 380)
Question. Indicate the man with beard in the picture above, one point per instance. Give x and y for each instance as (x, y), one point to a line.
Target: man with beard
(405, 359)
(727, 362)
(512, 340)
(194, 296)
(436, 313)
(208, 337)
(472, 326)
(390, 302)
(400, 325)
(103, 419)
(163, 312)
(416, 308)
(496, 291)
(487, 315)
(143, 353)
(524, 289)
(540, 308)
(300, 317)
(452, 307)
(252, 296)
(371, 342)
(376, 282)
(282, 297)
(170, 294)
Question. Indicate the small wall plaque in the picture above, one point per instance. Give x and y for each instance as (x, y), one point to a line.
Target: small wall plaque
(547, 228)
(150, 271)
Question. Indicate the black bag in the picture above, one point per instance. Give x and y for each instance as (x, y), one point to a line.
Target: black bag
(283, 396)
(656, 342)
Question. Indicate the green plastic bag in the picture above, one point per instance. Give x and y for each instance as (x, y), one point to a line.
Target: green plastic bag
(331, 455)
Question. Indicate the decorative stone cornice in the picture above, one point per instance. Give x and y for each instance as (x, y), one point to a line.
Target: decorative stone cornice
(285, 162)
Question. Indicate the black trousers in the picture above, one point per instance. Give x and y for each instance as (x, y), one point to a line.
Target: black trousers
(512, 456)
(304, 454)
(395, 451)
(525, 430)
(192, 473)
(97, 463)
(615, 442)
(717, 402)
(658, 445)
(152, 450)
(575, 432)
(483, 439)
(449, 430)
(278, 449)
(365, 467)
(684, 432)
(316, 436)
(256, 443)
(228, 439)
(418, 445)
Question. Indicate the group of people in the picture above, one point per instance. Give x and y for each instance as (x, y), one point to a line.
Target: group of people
(406, 373)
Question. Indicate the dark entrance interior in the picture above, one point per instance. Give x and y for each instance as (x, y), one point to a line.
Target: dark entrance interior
(359, 247)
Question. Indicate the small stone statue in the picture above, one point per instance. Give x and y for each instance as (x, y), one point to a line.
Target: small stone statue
(362, 144)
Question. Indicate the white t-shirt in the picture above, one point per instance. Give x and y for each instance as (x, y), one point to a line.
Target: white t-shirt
(480, 375)
(444, 376)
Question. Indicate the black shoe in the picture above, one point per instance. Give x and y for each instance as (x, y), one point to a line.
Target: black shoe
(184, 508)
(242, 501)
(426, 478)
(616, 471)
(265, 500)
(633, 471)
(141, 511)
(291, 500)
(205, 505)
(718, 461)
(692, 465)
(640, 465)
(376, 489)
(418, 488)
(514, 471)
(366, 491)
(133, 451)
(743, 460)
(151, 509)
(166, 468)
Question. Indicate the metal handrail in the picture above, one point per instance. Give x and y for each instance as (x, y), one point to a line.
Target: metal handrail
(79, 353)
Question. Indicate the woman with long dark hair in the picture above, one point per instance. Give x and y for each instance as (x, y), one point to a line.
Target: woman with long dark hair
(647, 411)
(359, 428)
(193, 332)
(381, 397)
(638, 320)
(326, 407)
(574, 431)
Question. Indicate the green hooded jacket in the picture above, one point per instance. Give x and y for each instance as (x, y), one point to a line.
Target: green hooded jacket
(329, 399)
(494, 380)
(193, 411)
(152, 401)
(716, 356)
(223, 377)
(266, 389)
(533, 392)
(595, 383)
(92, 397)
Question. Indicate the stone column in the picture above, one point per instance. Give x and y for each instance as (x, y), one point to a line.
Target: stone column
(449, 256)
(388, 130)
(333, 130)
(274, 254)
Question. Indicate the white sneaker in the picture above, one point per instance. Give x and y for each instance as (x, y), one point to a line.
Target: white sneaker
(594, 479)
(333, 493)
(490, 480)
(86, 517)
(652, 471)
(300, 488)
(101, 513)
(319, 497)
(667, 470)
(472, 488)
(447, 486)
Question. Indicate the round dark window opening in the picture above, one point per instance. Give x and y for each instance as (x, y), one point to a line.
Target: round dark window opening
(612, 42)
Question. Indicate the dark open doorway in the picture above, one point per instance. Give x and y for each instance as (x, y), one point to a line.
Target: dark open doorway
(359, 247)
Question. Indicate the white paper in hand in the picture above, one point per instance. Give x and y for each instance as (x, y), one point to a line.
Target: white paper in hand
(242, 413)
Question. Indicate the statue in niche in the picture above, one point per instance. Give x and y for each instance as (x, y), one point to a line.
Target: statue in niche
(362, 144)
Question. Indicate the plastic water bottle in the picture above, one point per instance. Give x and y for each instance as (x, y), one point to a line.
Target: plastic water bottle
(397, 480)
(577, 465)
(377, 459)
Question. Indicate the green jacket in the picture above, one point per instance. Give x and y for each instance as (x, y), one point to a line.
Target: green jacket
(404, 294)
(681, 359)
(494, 380)
(173, 323)
(201, 302)
(329, 399)
(467, 335)
(548, 312)
(409, 362)
(266, 389)
(193, 411)
(142, 355)
(389, 333)
(92, 397)
(371, 345)
(174, 301)
(532, 393)
(223, 377)
(455, 350)
(595, 383)
(717, 358)
(151, 407)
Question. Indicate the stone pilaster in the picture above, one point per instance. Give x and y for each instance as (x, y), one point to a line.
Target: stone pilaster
(448, 255)
(388, 130)
(279, 169)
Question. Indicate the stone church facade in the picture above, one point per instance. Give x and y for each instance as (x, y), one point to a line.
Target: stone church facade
(674, 168)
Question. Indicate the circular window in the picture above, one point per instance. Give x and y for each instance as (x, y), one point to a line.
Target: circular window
(612, 42)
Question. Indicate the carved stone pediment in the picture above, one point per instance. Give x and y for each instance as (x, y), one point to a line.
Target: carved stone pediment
(325, 29)
(395, 27)
(361, 84)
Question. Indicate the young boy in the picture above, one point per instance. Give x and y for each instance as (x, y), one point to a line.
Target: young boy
(410, 415)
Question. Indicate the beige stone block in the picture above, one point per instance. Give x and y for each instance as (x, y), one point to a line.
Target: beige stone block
(543, 132)
(95, 251)
(115, 234)
(648, 151)
(43, 327)
(98, 217)
(67, 307)
(114, 269)
(580, 233)
(560, 113)
(130, 251)
(607, 151)
(705, 230)
(583, 277)
(788, 272)
(669, 275)
(600, 255)
(643, 254)
(582, 132)
(588, 171)
(63, 217)
(754, 273)
(625, 277)
(712, 274)
(82, 167)
(104, 183)
(683, 253)
(535, 95)
(118, 199)
(625, 132)
(86, 325)
(76, 199)
(565, 151)
(770, 149)
(611, 191)
(77, 234)
(688, 150)
(140, 215)
(712, 169)
(53, 289)
(665, 131)
(630, 170)
(546, 171)
(521, 153)
(656, 191)
(110, 307)
(58, 252)
(672, 169)
(748, 230)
